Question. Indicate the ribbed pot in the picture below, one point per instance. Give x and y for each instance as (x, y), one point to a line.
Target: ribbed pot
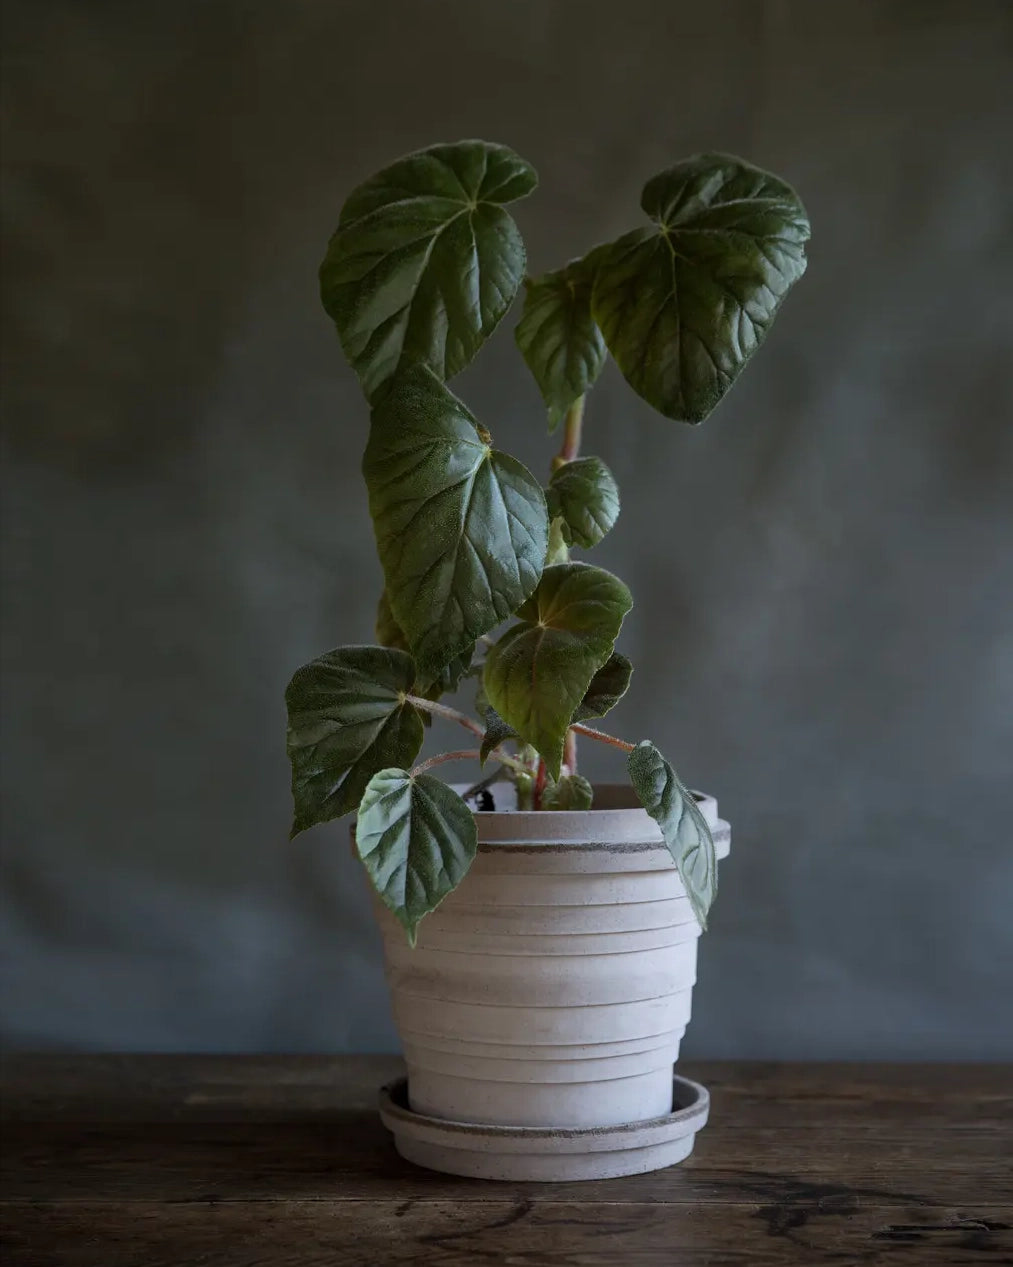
(553, 987)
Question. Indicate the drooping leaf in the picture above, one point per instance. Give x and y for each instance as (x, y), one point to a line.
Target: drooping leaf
(684, 828)
(585, 496)
(684, 304)
(461, 528)
(390, 634)
(571, 792)
(539, 671)
(607, 688)
(347, 718)
(417, 839)
(558, 338)
(496, 731)
(425, 260)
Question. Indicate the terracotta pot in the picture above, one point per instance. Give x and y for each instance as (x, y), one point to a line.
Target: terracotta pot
(553, 987)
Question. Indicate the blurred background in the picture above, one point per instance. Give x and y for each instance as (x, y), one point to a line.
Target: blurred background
(823, 572)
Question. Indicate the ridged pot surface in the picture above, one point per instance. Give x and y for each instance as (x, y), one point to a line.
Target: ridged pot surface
(553, 987)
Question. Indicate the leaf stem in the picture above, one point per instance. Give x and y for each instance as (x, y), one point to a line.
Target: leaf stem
(571, 433)
(450, 714)
(570, 751)
(461, 754)
(540, 780)
(601, 735)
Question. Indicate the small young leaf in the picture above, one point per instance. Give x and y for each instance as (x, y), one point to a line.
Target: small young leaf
(417, 839)
(347, 718)
(425, 260)
(584, 494)
(539, 671)
(496, 731)
(558, 338)
(571, 792)
(461, 528)
(684, 828)
(684, 305)
(607, 688)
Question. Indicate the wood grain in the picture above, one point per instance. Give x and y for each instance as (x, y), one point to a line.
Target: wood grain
(265, 1160)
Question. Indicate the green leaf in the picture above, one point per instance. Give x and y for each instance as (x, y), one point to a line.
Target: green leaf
(584, 494)
(347, 718)
(685, 304)
(571, 792)
(558, 338)
(496, 731)
(539, 671)
(425, 260)
(684, 828)
(461, 528)
(390, 634)
(417, 839)
(607, 688)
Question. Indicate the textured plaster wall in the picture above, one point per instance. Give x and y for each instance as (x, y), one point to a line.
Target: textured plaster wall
(823, 573)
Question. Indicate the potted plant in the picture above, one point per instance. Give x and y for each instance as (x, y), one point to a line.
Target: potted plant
(540, 934)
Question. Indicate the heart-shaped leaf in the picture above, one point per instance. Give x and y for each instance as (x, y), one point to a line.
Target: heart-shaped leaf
(539, 671)
(685, 304)
(347, 718)
(607, 688)
(585, 496)
(571, 792)
(558, 338)
(425, 260)
(390, 634)
(461, 528)
(417, 839)
(684, 828)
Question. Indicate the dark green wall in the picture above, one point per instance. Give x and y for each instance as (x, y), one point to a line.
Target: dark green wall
(824, 620)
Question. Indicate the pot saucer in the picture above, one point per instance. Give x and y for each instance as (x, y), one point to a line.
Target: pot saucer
(541, 1153)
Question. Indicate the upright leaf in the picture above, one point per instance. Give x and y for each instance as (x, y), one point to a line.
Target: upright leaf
(558, 338)
(425, 260)
(461, 528)
(585, 496)
(684, 305)
(683, 826)
(347, 718)
(417, 839)
(539, 671)
(606, 689)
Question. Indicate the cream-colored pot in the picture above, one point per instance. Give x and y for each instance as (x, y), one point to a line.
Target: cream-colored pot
(553, 987)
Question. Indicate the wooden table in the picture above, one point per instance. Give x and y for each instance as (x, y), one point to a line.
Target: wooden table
(186, 1161)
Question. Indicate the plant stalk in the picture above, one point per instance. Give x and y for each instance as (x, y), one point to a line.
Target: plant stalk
(572, 426)
(601, 735)
(449, 714)
(462, 754)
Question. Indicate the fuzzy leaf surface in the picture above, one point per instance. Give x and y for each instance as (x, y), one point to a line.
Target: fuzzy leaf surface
(557, 336)
(347, 719)
(417, 839)
(685, 303)
(585, 496)
(461, 528)
(684, 828)
(539, 671)
(425, 260)
(606, 688)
